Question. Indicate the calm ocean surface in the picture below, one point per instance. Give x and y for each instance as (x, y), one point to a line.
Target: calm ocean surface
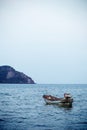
(23, 108)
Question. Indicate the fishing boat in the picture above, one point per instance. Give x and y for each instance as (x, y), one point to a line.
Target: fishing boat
(65, 101)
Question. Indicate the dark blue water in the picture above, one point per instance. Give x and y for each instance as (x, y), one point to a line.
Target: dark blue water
(23, 108)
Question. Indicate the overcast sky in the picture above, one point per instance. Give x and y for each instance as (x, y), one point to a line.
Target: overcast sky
(45, 39)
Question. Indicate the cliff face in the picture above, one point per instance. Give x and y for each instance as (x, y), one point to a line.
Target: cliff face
(10, 75)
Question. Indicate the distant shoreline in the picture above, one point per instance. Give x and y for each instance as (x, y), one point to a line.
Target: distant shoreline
(8, 75)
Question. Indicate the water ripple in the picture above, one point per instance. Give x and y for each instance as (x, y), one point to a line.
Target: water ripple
(22, 107)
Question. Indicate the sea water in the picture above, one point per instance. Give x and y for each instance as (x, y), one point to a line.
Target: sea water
(22, 107)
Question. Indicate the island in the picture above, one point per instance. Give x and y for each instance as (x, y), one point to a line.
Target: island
(9, 75)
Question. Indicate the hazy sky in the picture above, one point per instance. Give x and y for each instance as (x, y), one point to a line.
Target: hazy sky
(45, 39)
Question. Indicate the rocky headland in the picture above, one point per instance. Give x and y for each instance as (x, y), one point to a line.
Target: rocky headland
(9, 75)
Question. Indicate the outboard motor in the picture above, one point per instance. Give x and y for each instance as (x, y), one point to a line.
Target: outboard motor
(67, 95)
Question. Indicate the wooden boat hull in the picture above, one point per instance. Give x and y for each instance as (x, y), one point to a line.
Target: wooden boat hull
(66, 104)
(58, 101)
